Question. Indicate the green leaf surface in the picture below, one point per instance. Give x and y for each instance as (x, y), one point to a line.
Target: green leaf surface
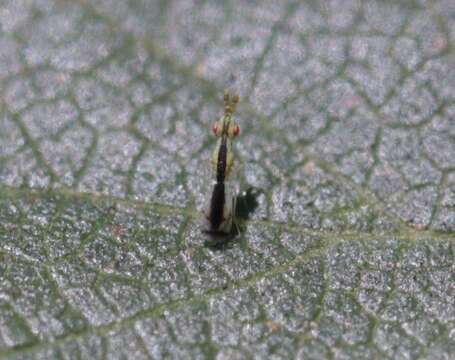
(348, 135)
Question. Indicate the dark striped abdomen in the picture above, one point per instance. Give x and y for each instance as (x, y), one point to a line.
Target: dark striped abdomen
(216, 215)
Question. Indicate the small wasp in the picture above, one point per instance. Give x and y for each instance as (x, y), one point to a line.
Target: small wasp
(222, 202)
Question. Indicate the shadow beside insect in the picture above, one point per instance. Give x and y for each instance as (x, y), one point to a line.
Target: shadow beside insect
(245, 204)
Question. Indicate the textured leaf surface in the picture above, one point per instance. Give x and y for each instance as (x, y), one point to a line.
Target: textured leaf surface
(348, 128)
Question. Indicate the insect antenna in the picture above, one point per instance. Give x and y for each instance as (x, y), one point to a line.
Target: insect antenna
(230, 103)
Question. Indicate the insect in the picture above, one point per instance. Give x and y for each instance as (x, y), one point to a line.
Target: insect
(221, 210)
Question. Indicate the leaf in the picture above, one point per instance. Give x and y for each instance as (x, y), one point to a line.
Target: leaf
(347, 134)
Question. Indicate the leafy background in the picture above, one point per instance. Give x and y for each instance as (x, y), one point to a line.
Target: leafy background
(348, 128)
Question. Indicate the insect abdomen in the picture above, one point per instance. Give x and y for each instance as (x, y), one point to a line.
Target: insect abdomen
(216, 216)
